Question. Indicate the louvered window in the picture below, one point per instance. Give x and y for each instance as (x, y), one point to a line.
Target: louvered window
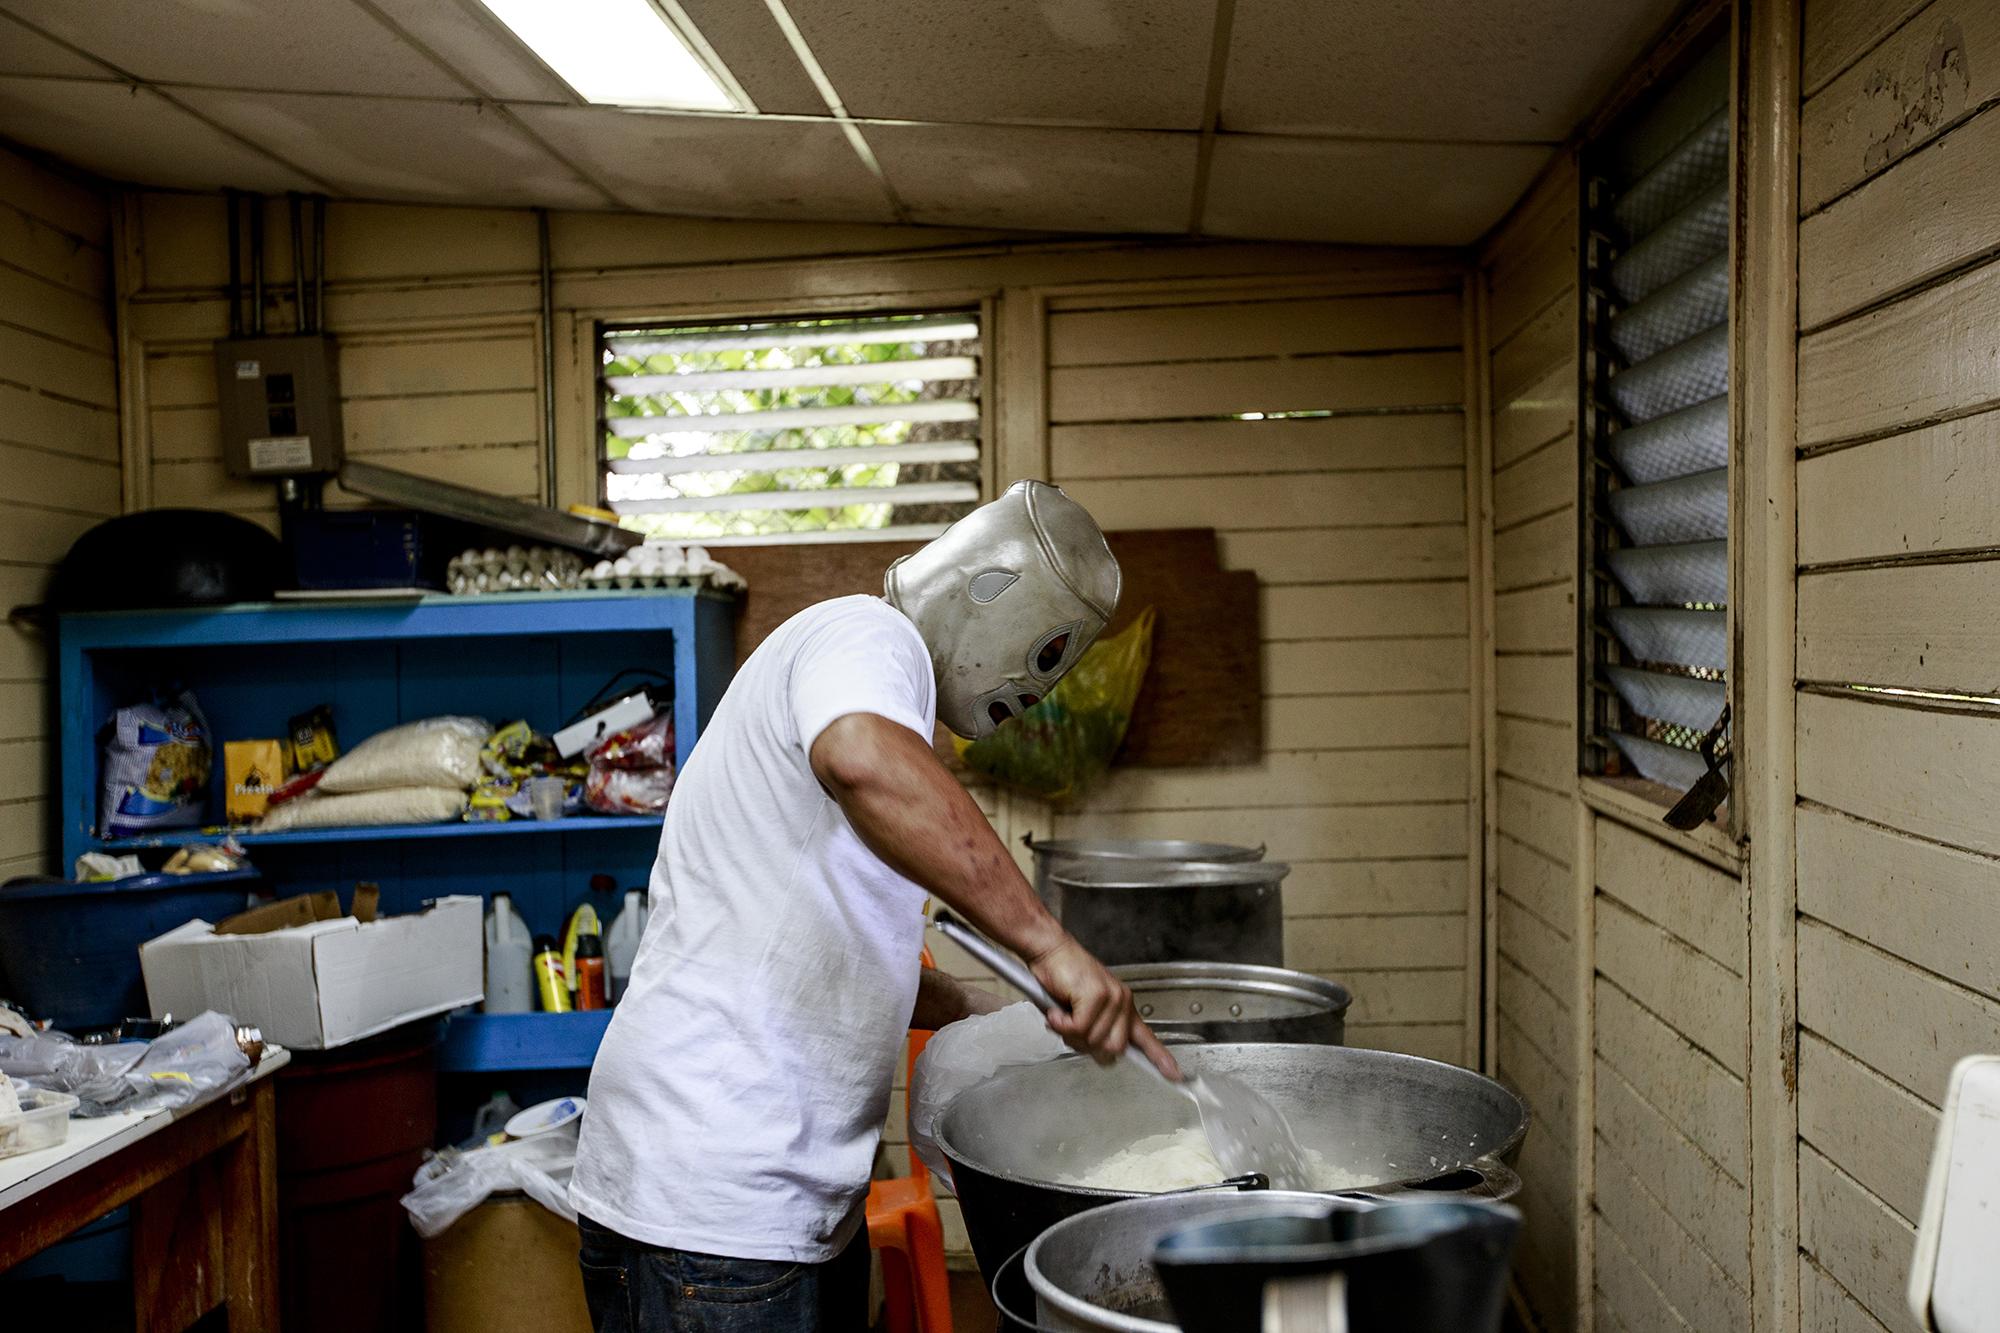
(1657, 250)
(792, 430)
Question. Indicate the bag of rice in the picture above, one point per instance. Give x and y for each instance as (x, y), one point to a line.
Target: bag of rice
(391, 805)
(431, 752)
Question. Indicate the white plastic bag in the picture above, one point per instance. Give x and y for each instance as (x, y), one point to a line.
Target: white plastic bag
(452, 1184)
(156, 766)
(966, 1054)
(432, 752)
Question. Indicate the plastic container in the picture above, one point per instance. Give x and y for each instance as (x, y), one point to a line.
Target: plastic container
(42, 1122)
(545, 1116)
(70, 952)
(621, 940)
(510, 978)
(545, 797)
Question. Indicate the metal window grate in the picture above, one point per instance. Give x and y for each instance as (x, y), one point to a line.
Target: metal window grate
(792, 430)
(1656, 255)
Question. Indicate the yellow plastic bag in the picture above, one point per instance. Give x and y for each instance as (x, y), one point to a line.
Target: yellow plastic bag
(1063, 744)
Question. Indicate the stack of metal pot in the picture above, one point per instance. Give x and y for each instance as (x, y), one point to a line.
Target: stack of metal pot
(1164, 900)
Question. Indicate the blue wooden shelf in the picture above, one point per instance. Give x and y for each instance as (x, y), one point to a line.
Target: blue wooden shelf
(249, 837)
(477, 1043)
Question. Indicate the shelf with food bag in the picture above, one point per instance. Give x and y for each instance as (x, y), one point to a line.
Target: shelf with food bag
(587, 823)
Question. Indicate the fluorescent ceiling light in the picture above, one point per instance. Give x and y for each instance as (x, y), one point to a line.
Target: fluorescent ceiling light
(616, 52)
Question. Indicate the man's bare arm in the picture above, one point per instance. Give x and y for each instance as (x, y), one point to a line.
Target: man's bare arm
(943, 998)
(911, 812)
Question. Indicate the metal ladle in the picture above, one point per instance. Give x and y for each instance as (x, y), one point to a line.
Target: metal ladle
(1245, 1132)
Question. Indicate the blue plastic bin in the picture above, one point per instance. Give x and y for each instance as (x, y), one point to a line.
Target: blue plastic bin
(70, 952)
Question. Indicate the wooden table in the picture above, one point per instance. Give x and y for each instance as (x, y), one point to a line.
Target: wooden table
(202, 1182)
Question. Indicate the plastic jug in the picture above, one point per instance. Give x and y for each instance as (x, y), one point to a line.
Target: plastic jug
(621, 941)
(510, 985)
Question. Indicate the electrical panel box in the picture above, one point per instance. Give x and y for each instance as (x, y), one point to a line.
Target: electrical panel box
(280, 405)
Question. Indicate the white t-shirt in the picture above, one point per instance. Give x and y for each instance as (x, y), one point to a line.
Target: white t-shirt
(737, 1099)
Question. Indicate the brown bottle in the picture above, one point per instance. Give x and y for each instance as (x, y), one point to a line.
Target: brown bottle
(590, 972)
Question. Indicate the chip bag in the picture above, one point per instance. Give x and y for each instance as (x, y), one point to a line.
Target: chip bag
(157, 758)
(1059, 747)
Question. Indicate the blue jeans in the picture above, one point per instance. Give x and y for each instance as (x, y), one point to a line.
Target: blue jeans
(633, 1287)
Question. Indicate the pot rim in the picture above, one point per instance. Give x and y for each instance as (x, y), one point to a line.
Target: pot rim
(1142, 872)
(1129, 849)
(1500, 1152)
(1251, 978)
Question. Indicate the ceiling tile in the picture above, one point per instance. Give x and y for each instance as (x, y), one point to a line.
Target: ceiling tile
(294, 45)
(1523, 70)
(25, 51)
(754, 49)
(132, 134)
(380, 148)
(1363, 193)
(469, 40)
(1134, 64)
(715, 166)
(1040, 179)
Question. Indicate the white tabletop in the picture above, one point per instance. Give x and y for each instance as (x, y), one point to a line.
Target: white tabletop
(95, 1139)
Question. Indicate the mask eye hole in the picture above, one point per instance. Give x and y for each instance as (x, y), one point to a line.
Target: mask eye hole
(1051, 655)
(997, 711)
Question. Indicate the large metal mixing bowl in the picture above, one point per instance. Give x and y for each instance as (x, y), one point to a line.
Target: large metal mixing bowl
(1393, 1122)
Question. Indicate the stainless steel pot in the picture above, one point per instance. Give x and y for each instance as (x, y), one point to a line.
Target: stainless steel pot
(1236, 1002)
(1050, 851)
(1393, 1122)
(1094, 1271)
(1133, 911)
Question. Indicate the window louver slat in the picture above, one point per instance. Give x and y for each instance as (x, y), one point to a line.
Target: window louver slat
(1695, 572)
(1668, 765)
(1692, 303)
(1681, 376)
(1682, 509)
(1683, 701)
(1684, 175)
(1671, 635)
(1692, 439)
(1689, 239)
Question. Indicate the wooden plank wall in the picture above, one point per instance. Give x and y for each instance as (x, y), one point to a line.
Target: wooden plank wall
(1531, 321)
(1899, 517)
(1353, 516)
(58, 425)
(1671, 1038)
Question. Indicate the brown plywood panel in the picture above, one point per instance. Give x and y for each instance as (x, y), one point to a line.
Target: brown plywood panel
(1929, 491)
(1930, 627)
(1334, 382)
(1199, 330)
(1038, 179)
(1915, 85)
(1835, 33)
(1930, 905)
(1879, 1133)
(1924, 217)
(1372, 440)
(1933, 354)
(1856, 1237)
(1929, 773)
(1198, 706)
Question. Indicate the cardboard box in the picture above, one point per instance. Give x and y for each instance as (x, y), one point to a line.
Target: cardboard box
(324, 982)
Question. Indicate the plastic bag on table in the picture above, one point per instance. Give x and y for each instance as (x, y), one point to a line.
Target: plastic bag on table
(171, 1070)
(1059, 747)
(965, 1054)
(453, 1183)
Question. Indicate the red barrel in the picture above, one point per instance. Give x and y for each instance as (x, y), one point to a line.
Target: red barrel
(353, 1125)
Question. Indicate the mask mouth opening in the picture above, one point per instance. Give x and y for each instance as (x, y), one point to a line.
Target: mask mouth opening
(998, 712)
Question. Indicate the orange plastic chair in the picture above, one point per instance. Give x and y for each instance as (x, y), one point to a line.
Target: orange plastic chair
(904, 1227)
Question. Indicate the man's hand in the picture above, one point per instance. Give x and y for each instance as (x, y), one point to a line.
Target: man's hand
(1102, 1018)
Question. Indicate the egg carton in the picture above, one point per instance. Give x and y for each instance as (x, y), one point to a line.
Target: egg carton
(515, 569)
(664, 565)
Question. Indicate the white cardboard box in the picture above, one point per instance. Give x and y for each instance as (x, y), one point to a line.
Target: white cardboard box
(325, 984)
